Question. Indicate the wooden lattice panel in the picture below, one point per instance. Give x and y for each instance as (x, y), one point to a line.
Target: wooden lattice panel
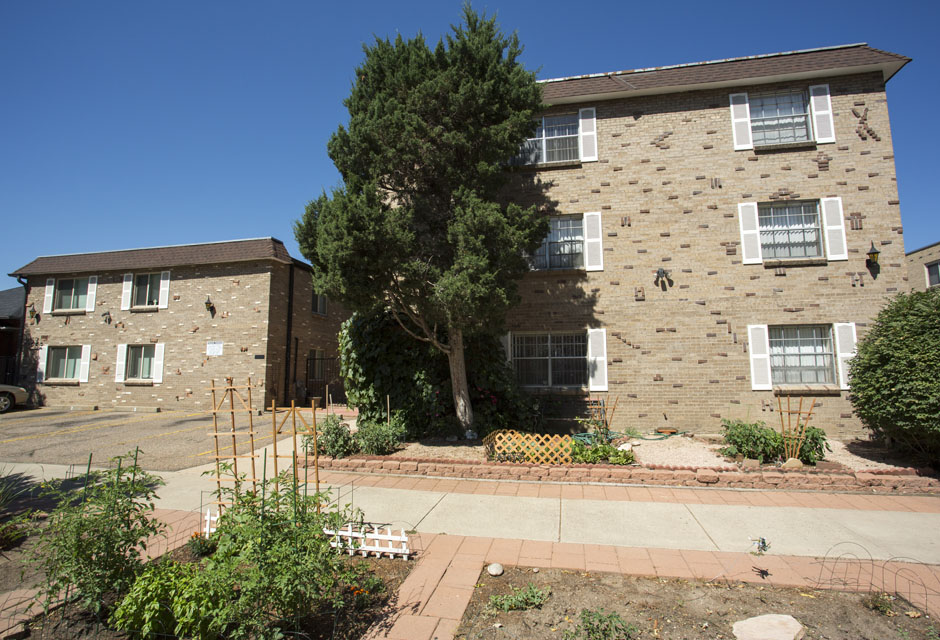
(541, 448)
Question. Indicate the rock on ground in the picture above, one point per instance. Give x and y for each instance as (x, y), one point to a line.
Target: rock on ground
(772, 626)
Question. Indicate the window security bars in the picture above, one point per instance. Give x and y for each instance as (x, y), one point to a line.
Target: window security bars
(802, 355)
(780, 118)
(790, 230)
(550, 360)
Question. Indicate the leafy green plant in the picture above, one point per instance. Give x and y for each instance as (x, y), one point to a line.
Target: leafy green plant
(12, 524)
(521, 598)
(601, 452)
(92, 545)
(333, 438)
(814, 446)
(380, 438)
(894, 387)
(200, 545)
(881, 602)
(752, 440)
(598, 625)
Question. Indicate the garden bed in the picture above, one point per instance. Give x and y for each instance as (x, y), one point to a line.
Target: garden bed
(670, 608)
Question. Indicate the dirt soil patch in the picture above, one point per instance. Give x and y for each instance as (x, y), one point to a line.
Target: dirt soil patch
(680, 609)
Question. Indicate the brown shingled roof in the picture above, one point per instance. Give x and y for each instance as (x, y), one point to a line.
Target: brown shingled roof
(159, 257)
(755, 69)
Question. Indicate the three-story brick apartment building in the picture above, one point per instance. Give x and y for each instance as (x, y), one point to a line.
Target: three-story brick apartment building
(709, 251)
(152, 328)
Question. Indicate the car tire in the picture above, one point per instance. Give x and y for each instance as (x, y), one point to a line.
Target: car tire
(6, 402)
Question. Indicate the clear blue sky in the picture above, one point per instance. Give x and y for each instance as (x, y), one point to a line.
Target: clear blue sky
(132, 124)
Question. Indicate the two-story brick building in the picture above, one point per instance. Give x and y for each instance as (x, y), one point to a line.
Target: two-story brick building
(151, 328)
(709, 249)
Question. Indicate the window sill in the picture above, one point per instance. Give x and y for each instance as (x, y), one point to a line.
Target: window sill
(561, 391)
(143, 309)
(559, 272)
(138, 383)
(541, 166)
(787, 146)
(794, 262)
(807, 390)
(67, 312)
(61, 382)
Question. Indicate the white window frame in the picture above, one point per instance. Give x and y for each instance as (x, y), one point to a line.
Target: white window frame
(831, 224)
(130, 291)
(544, 250)
(772, 209)
(819, 122)
(843, 339)
(936, 267)
(585, 139)
(53, 292)
(80, 357)
(592, 245)
(791, 354)
(319, 304)
(124, 362)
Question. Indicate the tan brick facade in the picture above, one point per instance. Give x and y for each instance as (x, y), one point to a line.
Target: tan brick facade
(918, 263)
(250, 301)
(668, 183)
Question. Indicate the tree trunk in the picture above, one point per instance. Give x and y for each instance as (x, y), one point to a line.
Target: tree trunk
(458, 378)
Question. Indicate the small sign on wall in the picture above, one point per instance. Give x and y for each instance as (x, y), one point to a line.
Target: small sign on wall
(214, 348)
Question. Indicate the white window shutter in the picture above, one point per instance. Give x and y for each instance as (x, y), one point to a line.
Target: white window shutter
(750, 233)
(506, 341)
(50, 295)
(127, 291)
(759, 340)
(86, 362)
(121, 363)
(92, 291)
(158, 362)
(41, 365)
(587, 141)
(834, 229)
(164, 289)
(845, 349)
(741, 121)
(593, 242)
(821, 107)
(597, 359)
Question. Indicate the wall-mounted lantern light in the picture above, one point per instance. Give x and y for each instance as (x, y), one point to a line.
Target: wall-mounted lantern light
(32, 310)
(106, 316)
(210, 307)
(873, 254)
(663, 278)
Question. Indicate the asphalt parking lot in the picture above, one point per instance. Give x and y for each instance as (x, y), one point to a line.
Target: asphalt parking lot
(168, 441)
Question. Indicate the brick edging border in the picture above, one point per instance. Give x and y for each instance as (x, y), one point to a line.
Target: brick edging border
(873, 481)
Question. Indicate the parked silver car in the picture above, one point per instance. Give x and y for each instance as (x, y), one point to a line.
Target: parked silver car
(11, 396)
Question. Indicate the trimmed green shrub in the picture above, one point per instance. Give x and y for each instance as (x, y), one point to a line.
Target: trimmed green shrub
(380, 438)
(895, 389)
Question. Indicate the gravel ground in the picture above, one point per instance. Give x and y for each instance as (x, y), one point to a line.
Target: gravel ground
(699, 451)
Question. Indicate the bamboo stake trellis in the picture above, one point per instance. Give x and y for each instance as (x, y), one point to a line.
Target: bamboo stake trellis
(794, 434)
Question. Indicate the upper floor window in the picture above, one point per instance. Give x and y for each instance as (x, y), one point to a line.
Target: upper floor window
(790, 230)
(568, 137)
(146, 290)
(70, 294)
(791, 116)
(319, 304)
(933, 275)
(564, 246)
(780, 117)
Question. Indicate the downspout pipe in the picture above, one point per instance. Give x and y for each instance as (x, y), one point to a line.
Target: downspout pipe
(288, 383)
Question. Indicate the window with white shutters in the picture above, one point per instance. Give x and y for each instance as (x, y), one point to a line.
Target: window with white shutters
(569, 137)
(783, 117)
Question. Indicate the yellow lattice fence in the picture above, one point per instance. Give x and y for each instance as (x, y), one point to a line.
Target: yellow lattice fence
(513, 446)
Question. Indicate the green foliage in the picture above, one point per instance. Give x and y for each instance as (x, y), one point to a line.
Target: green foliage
(880, 602)
(200, 545)
(760, 442)
(521, 598)
(418, 226)
(380, 438)
(378, 359)
(895, 389)
(598, 625)
(92, 543)
(272, 570)
(751, 440)
(12, 524)
(600, 452)
(333, 439)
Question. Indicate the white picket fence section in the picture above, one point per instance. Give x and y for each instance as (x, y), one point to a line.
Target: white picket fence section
(364, 540)
(369, 539)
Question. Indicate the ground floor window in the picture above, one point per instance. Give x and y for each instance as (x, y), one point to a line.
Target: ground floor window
(63, 363)
(802, 354)
(550, 359)
(139, 362)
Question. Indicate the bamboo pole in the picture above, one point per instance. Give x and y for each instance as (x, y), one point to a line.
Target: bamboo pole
(251, 434)
(215, 437)
(316, 461)
(231, 409)
(274, 439)
(293, 434)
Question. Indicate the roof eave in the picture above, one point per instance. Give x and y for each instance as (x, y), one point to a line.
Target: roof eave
(888, 70)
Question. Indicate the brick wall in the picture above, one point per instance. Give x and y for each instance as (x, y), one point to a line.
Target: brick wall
(668, 184)
(916, 265)
(250, 304)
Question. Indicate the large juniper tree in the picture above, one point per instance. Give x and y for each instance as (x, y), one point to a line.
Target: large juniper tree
(417, 225)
